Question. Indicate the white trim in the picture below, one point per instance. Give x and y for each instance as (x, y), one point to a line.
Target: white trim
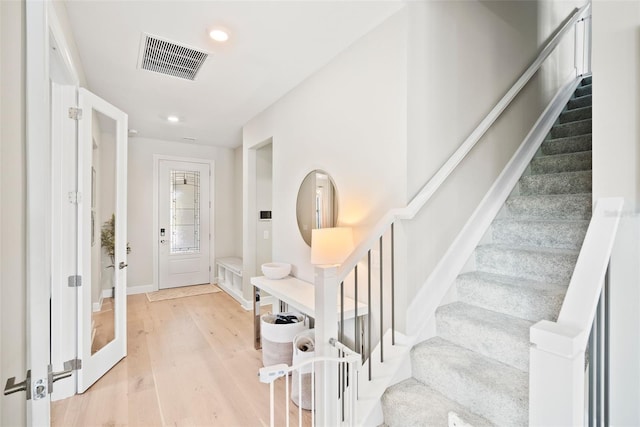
(63, 258)
(141, 289)
(250, 214)
(439, 281)
(62, 47)
(155, 235)
(97, 306)
(38, 205)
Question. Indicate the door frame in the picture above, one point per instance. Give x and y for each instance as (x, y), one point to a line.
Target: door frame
(156, 209)
(40, 21)
(63, 323)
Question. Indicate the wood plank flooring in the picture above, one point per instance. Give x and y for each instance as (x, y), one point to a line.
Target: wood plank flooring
(190, 362)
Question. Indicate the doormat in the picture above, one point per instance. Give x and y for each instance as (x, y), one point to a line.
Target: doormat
(184, 291)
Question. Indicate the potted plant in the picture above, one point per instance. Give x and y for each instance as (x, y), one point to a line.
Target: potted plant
(108, 239)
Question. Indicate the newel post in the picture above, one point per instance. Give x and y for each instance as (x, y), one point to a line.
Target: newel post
(326, 327)
(556, 376)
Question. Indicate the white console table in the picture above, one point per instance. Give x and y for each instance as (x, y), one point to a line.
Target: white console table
(298, 295)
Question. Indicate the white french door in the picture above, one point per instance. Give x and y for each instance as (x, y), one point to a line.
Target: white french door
(102, 237)
(183, 219)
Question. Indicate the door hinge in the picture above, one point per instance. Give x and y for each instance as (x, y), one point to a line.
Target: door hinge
(75, 113)
(74, 281)
(209, 269)
(75, 197)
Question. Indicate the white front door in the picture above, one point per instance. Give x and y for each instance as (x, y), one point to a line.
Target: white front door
(102, 237)
(184, 239)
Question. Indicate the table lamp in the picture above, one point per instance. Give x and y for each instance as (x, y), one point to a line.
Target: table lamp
(330, 246)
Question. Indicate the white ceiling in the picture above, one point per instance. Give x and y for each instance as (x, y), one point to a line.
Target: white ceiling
(273, 46)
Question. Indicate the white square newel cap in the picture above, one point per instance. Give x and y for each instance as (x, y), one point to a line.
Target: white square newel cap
(330, 246)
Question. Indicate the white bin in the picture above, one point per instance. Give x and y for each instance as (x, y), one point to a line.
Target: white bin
(303, 349)
(277, 339)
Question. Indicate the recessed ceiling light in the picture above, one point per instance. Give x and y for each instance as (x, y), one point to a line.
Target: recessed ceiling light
(173, 119)
(219, 35)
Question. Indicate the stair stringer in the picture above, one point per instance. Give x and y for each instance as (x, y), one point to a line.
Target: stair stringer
(430, 295)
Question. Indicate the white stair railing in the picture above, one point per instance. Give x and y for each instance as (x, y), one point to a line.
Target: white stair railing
(557, 367)
(346, 364)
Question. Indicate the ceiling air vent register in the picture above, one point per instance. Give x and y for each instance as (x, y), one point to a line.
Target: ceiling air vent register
(173, 59)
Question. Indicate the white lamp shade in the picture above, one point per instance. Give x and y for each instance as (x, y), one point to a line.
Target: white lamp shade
(331, 245)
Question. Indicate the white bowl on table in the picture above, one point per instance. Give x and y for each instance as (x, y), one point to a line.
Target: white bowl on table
(276, 270)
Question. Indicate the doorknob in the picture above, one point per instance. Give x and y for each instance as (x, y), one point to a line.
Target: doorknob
(122, 265)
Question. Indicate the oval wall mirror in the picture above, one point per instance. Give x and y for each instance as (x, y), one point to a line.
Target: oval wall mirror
(317, 204)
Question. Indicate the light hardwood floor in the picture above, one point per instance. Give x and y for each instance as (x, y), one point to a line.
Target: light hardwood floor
(190, 362)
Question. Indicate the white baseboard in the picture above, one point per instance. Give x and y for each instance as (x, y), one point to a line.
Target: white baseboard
(107, 293)
(97, 306)
(141, 289)
(439, 282)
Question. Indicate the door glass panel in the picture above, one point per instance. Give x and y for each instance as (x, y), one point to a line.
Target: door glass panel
(103, 191)
(185, 212)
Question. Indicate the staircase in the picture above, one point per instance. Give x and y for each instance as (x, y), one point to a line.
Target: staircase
(475, 371)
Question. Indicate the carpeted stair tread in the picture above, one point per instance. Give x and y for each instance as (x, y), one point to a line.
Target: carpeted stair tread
(524, 298)
(556, 183)
(576, 114)
(583, 101)
(550, 206)
(498, 336)
(587, 81)
(565, 234)
(412, 404)
(491, 389)
(583, 90)
(567, 162)
(544, 264)
(564, 130)
(570, 144)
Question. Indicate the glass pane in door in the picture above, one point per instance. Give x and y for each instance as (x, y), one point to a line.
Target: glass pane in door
(184, 216)
(103, 242)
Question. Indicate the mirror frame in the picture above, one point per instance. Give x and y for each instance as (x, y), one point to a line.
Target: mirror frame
(311, 218)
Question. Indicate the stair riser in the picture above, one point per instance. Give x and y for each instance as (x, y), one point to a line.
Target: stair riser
(568, 145)
(571, 129)
(583, 90)
(544, 234)
(575, 115)
(561, 163)
(403, 405)
(522, 302)
(494, 342)
(456, 377)
(543, 266)
(549, 207)
(584, 101)
(574, 183)
(586, 81)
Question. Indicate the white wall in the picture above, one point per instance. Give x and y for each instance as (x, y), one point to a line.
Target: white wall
(463, 57)
(264, 198)
(140, 201)
(349, 119)
(237, 205)
(12, 209)
(616, 172)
